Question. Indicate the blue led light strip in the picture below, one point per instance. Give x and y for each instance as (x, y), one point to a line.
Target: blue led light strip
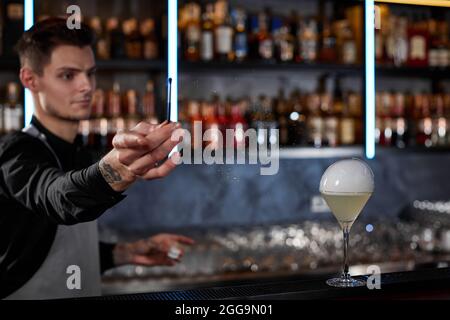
(172, 56)
(370, 78)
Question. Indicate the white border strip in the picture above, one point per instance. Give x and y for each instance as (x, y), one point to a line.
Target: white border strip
(28, 23)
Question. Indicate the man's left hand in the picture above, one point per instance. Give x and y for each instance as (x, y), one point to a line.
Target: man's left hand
(153, 251)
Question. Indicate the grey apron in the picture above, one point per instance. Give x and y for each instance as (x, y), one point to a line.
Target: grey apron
(73, 257)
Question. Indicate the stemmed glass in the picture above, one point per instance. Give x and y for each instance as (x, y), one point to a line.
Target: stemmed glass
(346, 186)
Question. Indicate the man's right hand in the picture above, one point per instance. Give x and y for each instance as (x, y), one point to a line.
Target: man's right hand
(137, 154)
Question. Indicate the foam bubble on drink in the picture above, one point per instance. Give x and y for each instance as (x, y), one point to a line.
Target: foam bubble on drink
(347, 176)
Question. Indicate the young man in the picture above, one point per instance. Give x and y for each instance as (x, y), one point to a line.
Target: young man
(51, 193)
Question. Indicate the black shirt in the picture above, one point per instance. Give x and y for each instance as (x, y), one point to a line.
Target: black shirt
(36, 196)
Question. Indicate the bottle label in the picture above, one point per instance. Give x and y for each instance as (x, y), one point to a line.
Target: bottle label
(418, 48)
(349, 52)
(207, 52)
(331, 130)
(150, 50)
(13, 119)
(103, 49)
(433, 58)
(15, 11)
(378, 46)
(315, 125)
(266, 49)
(309, 50)
(347, 131)
(443, 57)
(286, 51)
(193, 34)
(240, 45)
(224, 39)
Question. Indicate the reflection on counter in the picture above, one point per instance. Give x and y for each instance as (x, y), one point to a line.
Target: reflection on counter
(302, 250)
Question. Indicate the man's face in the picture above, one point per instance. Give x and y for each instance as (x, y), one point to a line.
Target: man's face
(67, 84)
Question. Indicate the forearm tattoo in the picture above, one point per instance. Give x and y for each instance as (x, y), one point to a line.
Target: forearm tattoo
(108, 172)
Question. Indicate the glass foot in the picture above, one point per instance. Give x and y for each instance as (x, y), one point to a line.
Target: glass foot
(345, 282)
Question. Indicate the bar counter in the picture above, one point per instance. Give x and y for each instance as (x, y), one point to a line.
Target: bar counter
(433, 283)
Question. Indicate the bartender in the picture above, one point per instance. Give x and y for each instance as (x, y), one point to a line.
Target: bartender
(50, 192)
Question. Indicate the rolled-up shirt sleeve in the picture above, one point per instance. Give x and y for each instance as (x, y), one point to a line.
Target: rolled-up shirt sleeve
(63, 197)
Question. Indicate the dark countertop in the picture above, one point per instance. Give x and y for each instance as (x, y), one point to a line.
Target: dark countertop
(419, 284)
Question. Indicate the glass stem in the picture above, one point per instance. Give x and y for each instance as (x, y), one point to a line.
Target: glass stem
(345, 274)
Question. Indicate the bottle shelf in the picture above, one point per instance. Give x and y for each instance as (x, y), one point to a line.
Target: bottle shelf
(131, 65)
(416, 72)
(250, 66)
(116, 65)
(9, 64)
(323, 152)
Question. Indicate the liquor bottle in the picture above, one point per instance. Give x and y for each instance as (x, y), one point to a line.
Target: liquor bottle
(84, 131)
(222, 117)
(240, 35)
(96, 138)
(210, 126)
(425, 124)
(207, 36)
(195, 119)
(418, 44)
(444, 45)
(253, 38)
(440, 130)
(192, 32)
(276, 32)
(435, 39)
(399, 128)
(411, 123)
(297, 121)
(386, 120)
(400, 53)
(131, 113)
(286, 45)
(265, 41)
(12, 25)
(353, 110)
(223, 32)
(148, 103)
(331, 109)
(314, 121)
(116, 39)
(390, 35)
(349, 52)
(238, 124)
(12, 109)
(133, 39)
(379, 46)
(328, 48)
(150, 45)
(282, 114)
(101, 47)
(308, 40)
(293, 22)
(114, 110)
(378, 116)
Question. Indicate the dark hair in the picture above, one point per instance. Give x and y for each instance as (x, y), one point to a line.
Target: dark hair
(36, 44)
